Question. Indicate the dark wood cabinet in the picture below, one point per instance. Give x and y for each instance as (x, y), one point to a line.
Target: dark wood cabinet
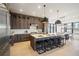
(19, 38)
(20, 21)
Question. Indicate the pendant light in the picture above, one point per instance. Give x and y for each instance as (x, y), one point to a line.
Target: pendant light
(45, 19)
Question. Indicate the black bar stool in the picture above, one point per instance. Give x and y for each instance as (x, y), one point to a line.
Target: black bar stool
(52, 42)
(47, 44)
(66, 36)
(40, 46)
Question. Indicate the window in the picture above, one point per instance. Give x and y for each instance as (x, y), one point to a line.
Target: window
(76, 27)
(69, 28)
(50, 28)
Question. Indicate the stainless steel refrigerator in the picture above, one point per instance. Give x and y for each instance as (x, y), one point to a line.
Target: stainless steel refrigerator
(4, 30)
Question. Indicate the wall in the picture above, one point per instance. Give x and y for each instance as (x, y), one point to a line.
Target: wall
(70, 17)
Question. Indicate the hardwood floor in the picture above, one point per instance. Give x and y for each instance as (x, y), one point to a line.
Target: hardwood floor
(24, 49)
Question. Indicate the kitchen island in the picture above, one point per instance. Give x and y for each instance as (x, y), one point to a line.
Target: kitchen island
(45, 38)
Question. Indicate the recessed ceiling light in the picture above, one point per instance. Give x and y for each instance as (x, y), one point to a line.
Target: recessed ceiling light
(21, 10)
(73, 16)
(50, 10)
(39, 7)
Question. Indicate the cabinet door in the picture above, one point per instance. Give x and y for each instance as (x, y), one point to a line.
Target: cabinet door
(17, 23)
(21, 23)
(11, 22)
(14, 23)
(25, 23)
(29, 23)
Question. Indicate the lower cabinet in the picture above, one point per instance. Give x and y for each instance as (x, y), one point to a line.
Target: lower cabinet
(19, 38)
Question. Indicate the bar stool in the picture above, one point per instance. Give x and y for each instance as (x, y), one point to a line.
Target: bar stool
(55, 41)
(52, 42)
(60, 41)
(47, 44)
(40, 47)
(66, 36)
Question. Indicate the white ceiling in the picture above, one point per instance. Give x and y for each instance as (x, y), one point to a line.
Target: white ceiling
(36, 9)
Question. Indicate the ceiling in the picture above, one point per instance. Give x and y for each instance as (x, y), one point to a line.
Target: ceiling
(37, 9)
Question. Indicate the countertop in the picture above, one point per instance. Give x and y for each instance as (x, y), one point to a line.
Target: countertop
(41, 35)
(46, 35)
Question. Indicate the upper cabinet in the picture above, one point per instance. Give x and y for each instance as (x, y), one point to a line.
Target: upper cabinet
(20, 21)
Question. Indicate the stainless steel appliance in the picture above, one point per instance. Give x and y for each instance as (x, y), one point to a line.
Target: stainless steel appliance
(4, 30)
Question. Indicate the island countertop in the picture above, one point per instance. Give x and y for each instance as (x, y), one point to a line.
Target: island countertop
(41, 35)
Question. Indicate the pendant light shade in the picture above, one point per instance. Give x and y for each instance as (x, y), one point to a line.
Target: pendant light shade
(45, 19)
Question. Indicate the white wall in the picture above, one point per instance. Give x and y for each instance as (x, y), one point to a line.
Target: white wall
(70, 17)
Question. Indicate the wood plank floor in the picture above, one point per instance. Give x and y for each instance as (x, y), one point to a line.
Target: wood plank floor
(23, 49)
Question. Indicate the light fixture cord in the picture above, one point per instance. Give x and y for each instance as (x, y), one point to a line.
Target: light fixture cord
(44, 9)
